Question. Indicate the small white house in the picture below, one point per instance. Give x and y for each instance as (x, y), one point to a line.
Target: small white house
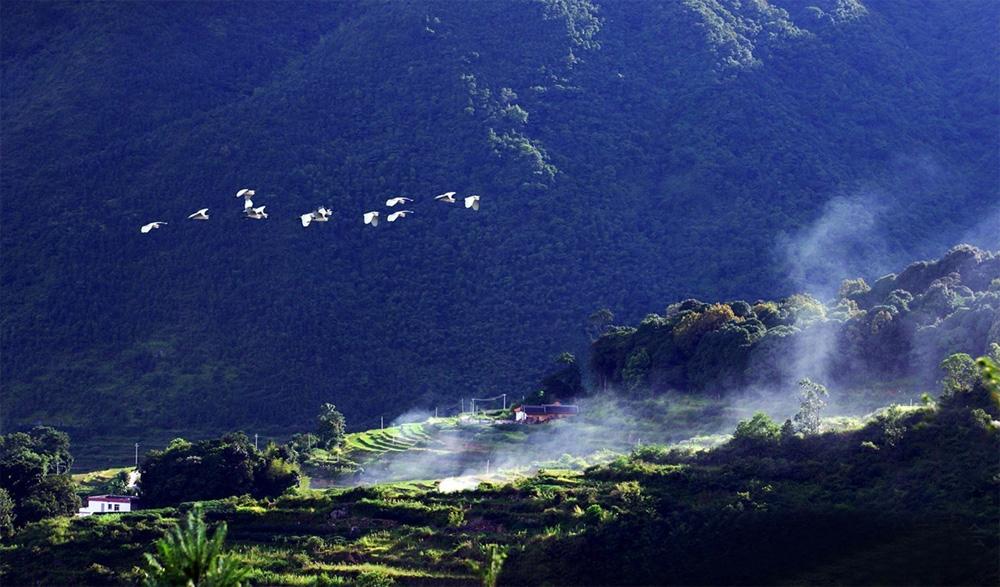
(103, 504)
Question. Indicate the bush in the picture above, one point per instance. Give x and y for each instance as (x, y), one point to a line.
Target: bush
(758, 429)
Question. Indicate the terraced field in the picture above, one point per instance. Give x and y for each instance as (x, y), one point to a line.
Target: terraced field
(459, 447)
(375, 448)
(396, 439)
(434, 449)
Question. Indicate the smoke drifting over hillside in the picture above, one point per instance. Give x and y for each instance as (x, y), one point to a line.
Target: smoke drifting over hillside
(986, 234)
(843, 241)
(609, 423)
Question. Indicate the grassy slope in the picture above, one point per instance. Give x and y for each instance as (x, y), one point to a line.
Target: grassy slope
(446, 447)
(842, 507)
(93, 482)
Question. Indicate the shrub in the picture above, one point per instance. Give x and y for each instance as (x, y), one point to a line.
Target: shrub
(374, 578)
(187, 556)
(758, 429)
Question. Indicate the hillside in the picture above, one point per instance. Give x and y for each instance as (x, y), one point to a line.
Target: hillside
(906, 497)
(479, 444)
(625, 158)
(890, 335)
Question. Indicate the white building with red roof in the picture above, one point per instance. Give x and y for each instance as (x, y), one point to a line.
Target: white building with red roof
(103, 504)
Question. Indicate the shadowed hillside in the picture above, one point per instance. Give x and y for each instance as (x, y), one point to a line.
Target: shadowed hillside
(625, 157)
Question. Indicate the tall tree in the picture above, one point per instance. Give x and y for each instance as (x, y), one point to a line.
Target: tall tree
(332, 426)
(6, 514)
(566, 381)
(812, 400)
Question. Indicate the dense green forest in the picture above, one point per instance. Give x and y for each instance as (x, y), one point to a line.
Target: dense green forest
(891, 334)
(625, 157)
(907, 496)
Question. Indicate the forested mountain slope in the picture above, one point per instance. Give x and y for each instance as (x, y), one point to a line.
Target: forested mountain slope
(625, 157)
(891, 335)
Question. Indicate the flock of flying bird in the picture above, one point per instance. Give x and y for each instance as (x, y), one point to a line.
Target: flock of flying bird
(323, 214)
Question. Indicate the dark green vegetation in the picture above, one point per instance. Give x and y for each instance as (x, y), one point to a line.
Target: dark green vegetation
(911, 498)
(34, 479)
(212, 469)
(625, 157)
(894, 332)
(908, 498)
(332, 426)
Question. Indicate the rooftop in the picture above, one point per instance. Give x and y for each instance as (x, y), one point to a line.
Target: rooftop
(549, 409)
(112, 498)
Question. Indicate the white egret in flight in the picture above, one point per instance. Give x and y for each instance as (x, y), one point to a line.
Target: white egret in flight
(397, 215)
(400, 200)
(148, 227)
(322, 214)
(371, 218)
(257, 213)
(199, 215)
(472, 202)
(245, 193)
(447, 198)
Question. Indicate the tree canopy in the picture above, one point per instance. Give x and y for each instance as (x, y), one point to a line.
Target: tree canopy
(34, 470)
(212, 469)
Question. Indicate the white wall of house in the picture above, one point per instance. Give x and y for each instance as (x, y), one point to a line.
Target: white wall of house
(97, 505)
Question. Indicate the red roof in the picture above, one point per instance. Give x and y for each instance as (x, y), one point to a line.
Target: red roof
(111, 498)
(549, 409)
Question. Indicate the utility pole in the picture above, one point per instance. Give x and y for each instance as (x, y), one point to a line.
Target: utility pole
(435, 412)
(381, 422)
(487, 466)
(463, 406)
(255, 442)
(505, 401)
(137, 455)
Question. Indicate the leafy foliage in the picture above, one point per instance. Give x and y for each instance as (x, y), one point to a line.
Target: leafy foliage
(962, 372)
(33, 475)
(897, 329)
(213, 469)
(758, 429)
(187, 556)
(564, 383)
(7, 516)
(812, 401)
(489, 568)
(331, 426)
